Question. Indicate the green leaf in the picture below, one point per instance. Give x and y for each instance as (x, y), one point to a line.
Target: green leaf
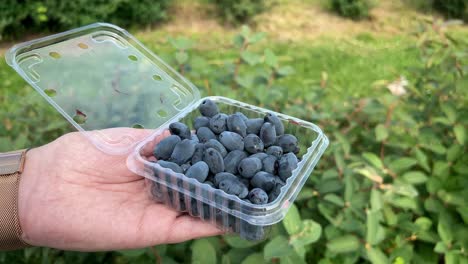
(405, 190)
(441, 169)
(452, 258)
(238, 41)
(339, 160)
(310, 233)
(376, 200)
(256, 37)
(445, 232)
(181, 57)
(203, 252)
(256, 258)
(244, 81)
(390, 217)
(440, 247)
(414, 177)
(133, 253)
(372, 225)
(422, 159)
(454, 198)
(285, 71)
(291, 259)
(376, 256)
(460, 133)
(424, 223)
(454, 152)
(373, 159)
(343, 244)
(270, 58)
(334, 199)
(450, 112)
(404, 203)
(236, 241)
(402, 164)
(245, 31)
(292, 222)
(381, 132)
(277, 247)
(250, 57)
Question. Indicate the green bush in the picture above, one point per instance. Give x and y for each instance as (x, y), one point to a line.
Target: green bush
(452, 8)
(19, 17)
(390, 188)
(238, 12)
(354, 9)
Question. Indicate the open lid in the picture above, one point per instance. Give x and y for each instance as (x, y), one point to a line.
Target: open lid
(99, 76)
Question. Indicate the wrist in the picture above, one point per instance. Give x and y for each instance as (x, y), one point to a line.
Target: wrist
(28, 181)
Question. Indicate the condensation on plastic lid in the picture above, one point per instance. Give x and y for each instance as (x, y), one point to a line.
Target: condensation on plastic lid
(99, 76)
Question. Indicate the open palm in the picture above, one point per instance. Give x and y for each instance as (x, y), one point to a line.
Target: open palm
(73, 196)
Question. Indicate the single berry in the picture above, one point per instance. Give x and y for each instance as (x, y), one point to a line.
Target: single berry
(218, 123)
(231, 140)
(183, 151)
(276, 151)
(234, 187)
(170, 165)
(263, 180)
(219, 177)
(165, 147)
(236, 124)
(208, 108)
(201, 121)
(180, 129)
(260, 155)
(213, 143)
(254, 125)
(214, 160)
(287, 142)
(270, 164)
(198, 153)
(272, 118)
(198, 171)
(232, 160)
(287, 164)
(258, 196)
(253, 144)
(268, 134)
(249, 166)
(204, 134)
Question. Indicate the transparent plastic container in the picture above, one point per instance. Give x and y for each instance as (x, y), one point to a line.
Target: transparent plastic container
(99, 76)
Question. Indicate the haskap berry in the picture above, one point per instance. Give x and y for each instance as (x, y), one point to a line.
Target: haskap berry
(201, 121)
(279, 127)
(248, 157)
(253, 144)
(232, 160)
(268, 134)
(218, 123)
(249, 166)
(183, 151)
(214, 160)
(208, 108)
(236, 124)
(180, 130)
(164, 149)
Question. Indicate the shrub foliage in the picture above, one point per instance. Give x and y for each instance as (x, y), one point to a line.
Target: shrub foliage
(18, 17)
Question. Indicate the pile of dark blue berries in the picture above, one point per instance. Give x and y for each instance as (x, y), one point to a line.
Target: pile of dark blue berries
(249, 158)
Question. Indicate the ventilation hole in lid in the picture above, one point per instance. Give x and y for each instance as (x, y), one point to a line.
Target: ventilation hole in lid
(50, 92)
(157, 77)
(132, 58)
(79, 117)
(138, 126)
(162, 113)
(82, 45)
(54, 55)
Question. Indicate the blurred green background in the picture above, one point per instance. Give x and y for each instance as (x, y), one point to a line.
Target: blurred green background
(386, 80)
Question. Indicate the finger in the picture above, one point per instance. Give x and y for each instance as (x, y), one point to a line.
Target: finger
(186, 227)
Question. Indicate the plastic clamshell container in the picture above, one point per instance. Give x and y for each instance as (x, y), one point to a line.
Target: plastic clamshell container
(99, 76)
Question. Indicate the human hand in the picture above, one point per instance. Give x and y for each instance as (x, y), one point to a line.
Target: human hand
(73, 196)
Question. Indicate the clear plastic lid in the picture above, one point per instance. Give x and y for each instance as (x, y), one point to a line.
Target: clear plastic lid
(99, 76)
